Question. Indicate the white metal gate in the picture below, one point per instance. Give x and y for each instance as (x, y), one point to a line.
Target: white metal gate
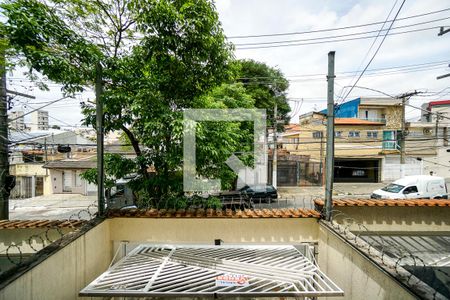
(213, 271)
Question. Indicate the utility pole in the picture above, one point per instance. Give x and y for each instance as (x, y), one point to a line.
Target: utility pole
(329, 172)
(405, 97)
(274, 155)
(99, 119)
(4, 163)
(438, 118)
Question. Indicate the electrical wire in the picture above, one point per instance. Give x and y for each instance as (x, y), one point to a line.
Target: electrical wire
(334, 41)
(376, 52)
(339, 36)
(334, 29)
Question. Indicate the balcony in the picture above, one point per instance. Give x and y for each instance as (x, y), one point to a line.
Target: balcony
(376, 120)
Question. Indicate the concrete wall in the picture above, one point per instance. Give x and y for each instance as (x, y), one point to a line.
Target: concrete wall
(205, 231)
(395, 218)
(66, 272)
(24, 237)
(358, 277)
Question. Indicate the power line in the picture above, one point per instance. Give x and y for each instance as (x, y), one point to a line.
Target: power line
(51, 102)
(376, 52)
(333, 29)
(334, 41)
(339, 36)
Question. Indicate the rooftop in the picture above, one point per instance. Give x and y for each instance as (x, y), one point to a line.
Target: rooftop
(367, 202)
(70, 164)
(24, 224)
(215, 213)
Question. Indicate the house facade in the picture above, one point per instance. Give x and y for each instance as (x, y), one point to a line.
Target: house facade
(34, 155)
(367, 148)
(65, 177)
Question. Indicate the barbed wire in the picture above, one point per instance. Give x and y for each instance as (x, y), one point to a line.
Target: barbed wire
(17, 255)
(390, 256)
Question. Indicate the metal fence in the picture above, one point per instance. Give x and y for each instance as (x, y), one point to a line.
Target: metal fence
(297, 173)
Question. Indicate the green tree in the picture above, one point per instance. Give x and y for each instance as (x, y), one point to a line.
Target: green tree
(158, 57)
(267, 86)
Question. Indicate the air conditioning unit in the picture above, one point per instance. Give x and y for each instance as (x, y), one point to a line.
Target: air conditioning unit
(427, 131)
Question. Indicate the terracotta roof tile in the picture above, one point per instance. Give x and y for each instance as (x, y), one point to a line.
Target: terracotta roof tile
(24, 224)
(399, 202)
(214, 213)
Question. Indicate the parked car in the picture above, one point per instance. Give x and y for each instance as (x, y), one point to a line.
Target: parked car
(235, 200)
(414, 187)
(260, 193)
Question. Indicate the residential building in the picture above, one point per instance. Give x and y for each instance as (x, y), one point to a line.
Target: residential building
(30, 151)
(433, 133)
(16, 120)
(366, 141)
(65, 176)
(39, 120)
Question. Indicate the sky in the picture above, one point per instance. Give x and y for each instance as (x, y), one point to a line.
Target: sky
(423, 55)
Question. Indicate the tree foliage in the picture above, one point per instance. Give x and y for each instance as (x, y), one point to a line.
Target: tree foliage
(158, 57)
(267, 86)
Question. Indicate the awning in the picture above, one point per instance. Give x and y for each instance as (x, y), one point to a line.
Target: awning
(213, 271)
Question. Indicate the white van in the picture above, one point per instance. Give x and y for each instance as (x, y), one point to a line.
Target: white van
(413, 187)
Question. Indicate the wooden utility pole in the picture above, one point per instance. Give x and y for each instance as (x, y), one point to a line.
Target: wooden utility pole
(4, 163)
(275, 146)
(99, 119)
(329, 172)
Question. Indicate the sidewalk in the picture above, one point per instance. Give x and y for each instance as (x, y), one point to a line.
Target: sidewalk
(51, 207)
(339, 189)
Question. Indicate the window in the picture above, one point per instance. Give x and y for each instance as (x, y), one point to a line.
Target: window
(390, 140)
(353, 134)
(410, 190)
(338, 134)
(372, 134)
(317, 134)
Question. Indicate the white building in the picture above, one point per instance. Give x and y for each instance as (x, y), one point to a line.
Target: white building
(17, 120)
(39, 120)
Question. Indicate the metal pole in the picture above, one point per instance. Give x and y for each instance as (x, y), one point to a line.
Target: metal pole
(329, 172)
(4, 163)
(321, 160)
(99, 116)
(274, 157)
(402, 140)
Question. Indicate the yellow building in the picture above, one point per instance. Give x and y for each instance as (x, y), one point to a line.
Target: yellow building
(367, 133)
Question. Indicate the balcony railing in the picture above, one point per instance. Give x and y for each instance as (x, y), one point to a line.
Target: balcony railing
(391, 145)
(378, 120)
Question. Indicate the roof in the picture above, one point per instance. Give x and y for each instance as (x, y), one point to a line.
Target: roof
(379, 101)
(213, 272)
(215, 213)
(70, 164)
(367, 202)
(355, 121)
(24, 224)
(437, 103)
